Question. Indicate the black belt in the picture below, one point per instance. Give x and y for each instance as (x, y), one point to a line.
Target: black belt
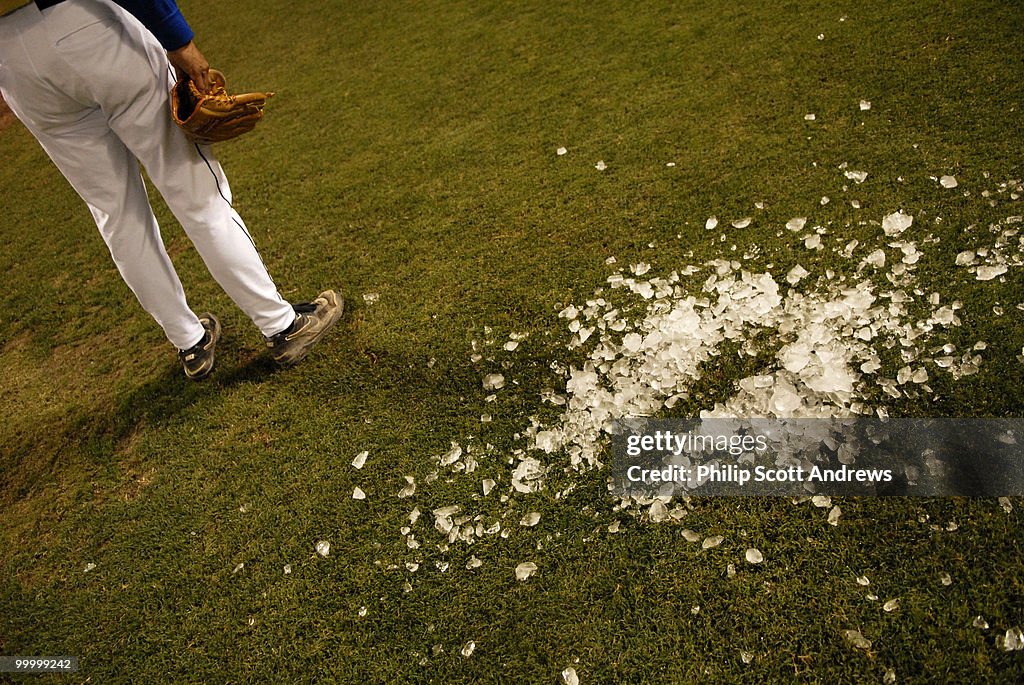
(43, 4)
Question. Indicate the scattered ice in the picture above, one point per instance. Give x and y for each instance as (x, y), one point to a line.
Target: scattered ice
(360, 459)
(980, 623)
(841, 348)
(323, 548)
(948, 182)
(238, 568)
(357, 493)
(569, 676)
(371, 298)
(560, 151)
(865, 105)
(809, 117)
(287, 569)
(601, 166)
(754, 556)
(468, 648)
(891, 605)
(89, 567)
(742, 223)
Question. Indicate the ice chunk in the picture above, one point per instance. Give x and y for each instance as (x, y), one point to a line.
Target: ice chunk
(409, 489)
(987, 273)
(894, 224)
(1012, 641)
(712, 542)
(796, 274)
(494, 381)
(525, 570)
(856, 639)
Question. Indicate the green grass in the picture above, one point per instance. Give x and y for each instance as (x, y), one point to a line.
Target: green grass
(410, 152)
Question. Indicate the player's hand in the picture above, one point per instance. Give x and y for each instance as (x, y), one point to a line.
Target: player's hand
(188, 60)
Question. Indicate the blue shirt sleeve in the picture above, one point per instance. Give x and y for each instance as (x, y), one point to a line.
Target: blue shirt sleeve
(163, 19)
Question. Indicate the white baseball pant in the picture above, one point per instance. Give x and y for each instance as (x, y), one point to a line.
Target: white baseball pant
(91, 84)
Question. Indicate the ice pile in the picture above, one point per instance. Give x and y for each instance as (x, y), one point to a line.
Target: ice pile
(824, 344)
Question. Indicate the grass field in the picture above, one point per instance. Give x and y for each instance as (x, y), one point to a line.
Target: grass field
(166, 531)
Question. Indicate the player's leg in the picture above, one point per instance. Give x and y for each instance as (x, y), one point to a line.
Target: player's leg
(75, 135)
(188, 177)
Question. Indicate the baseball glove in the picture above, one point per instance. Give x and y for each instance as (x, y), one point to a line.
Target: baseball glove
(215, 116)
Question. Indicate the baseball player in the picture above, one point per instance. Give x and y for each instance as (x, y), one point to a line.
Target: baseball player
(90, 79)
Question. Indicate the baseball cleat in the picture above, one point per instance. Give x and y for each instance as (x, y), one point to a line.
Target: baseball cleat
(198, 360)
(312, 320)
